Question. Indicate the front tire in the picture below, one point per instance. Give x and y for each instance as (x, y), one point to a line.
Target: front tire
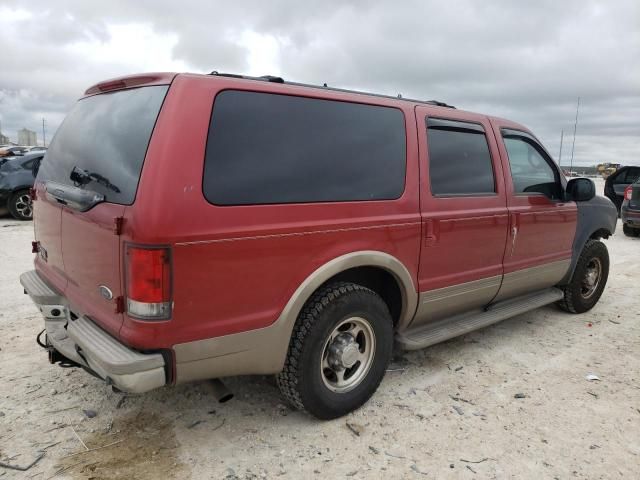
(588, 280)
(339, 351)
(630, 231)
(20, 205)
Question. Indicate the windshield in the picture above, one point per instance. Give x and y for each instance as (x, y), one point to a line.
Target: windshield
(103, 141)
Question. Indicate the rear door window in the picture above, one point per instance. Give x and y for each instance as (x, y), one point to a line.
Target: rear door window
(459, 158)
(102, 143)
(267, 149)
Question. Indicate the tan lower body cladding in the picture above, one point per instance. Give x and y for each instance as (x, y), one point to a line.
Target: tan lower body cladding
(445, 302)
(262, 351)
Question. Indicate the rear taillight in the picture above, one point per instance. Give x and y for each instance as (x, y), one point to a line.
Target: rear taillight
(148, 282)
(627, 193)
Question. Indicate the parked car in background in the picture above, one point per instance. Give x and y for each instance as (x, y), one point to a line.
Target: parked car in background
(16, 179)
(630, 210)
(617, 182)
(37, 149)
(13, 151)
(306, 230)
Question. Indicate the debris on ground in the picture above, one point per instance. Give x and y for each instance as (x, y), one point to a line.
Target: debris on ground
(355, 428)
(23, 469)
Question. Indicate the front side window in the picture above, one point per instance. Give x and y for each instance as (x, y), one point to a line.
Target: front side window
(531, 172)
(268, 148)
(459, 158)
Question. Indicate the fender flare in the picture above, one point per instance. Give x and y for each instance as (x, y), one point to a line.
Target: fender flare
(596, 215)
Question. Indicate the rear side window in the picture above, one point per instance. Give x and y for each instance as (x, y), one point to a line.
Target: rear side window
(103, 141)
(459, 158)
(268, 148)
(629, 175)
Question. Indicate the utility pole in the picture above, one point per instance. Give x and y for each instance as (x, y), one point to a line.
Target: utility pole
(560, 154)
(575, 127)
(44, 134)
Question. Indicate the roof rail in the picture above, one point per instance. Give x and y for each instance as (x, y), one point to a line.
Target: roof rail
(274, 79)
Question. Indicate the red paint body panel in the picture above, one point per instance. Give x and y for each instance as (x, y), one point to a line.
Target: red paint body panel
(91, 253)
(46, 226)
(464, 237)
(545, 228)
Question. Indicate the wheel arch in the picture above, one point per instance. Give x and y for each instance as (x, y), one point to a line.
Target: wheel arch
(354, 267)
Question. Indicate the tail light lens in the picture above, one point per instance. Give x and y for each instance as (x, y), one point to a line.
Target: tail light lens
(148, 282)
(627, 193)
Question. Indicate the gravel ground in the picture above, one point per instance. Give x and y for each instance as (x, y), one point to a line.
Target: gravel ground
(509, 401)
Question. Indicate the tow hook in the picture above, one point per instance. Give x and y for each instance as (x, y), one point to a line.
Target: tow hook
(53, 355)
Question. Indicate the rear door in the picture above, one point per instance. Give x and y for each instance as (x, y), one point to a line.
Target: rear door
(464, 213)
(542, 225)
(88, 177)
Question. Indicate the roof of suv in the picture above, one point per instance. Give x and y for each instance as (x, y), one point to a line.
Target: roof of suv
(165, 78)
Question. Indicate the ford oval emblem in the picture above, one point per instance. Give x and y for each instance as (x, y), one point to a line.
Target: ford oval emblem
(105, 292)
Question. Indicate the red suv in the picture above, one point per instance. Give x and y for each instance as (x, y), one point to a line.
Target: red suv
(194, 227)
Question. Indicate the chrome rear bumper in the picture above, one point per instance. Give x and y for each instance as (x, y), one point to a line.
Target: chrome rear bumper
(82, 341)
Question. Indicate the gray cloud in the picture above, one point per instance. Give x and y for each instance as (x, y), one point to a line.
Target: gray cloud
(527, 61)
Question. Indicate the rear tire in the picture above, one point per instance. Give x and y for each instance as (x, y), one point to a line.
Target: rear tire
(20, 205)
(588, 280)
(630, 231)
(339, 351)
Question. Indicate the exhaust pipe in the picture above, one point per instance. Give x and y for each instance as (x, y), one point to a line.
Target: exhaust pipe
(222, 393)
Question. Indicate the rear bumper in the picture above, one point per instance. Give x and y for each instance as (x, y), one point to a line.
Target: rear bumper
(81, 340)
(630, 216)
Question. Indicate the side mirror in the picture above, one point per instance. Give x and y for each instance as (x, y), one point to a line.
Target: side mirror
(581, 189)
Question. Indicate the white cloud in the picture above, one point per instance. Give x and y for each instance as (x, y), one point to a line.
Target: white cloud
(527, 61)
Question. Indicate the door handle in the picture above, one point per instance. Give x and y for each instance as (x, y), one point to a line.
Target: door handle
(514, 232)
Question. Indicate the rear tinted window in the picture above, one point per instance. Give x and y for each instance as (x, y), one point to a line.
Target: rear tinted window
(459, 159)
(268, 148)
(627, 175)
(103, 140)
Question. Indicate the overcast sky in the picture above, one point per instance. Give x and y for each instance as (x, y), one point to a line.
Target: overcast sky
(526, 61)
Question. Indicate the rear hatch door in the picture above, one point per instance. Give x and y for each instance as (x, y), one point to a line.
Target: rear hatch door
(90, 174)
(634, 203)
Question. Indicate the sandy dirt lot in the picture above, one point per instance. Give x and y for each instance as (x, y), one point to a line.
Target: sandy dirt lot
(450, 411)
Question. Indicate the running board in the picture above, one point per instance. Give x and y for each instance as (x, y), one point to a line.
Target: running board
(436, 332)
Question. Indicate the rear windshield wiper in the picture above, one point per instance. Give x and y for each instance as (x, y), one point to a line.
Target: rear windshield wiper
(73, 197)
(81, 177)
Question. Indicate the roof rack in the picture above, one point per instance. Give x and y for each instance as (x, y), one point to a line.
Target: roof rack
(273, 79)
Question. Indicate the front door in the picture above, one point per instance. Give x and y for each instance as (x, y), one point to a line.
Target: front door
(541, 224)
(464, 213)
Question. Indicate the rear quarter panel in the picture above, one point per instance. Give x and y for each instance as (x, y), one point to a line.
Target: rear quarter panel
(235, 268)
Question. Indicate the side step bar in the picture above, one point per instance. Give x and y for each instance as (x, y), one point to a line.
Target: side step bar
(432, 333)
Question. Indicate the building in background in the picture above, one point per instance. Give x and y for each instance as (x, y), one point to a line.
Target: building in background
(4, 139)
(27, 137)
